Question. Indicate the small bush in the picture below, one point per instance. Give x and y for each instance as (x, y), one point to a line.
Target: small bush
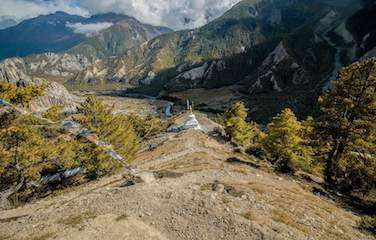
(368, 223)
(20, 95)
(147, 126)
(55, 113)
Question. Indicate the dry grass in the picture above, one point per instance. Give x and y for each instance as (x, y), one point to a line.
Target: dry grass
(206, 187)
(4, 237)
(257, 188)
(249, 215)
(241, 171)
(226, 200)
(122, 217)
(76, 220)
(43, 236)
(286, 219)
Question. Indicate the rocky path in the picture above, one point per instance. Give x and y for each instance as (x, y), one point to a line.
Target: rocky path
(184, 189)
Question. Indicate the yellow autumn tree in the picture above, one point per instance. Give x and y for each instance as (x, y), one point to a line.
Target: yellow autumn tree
(21, 154)
(348, 126)
(238, 129)
(54, 113)
(20, 95)
(285, 144)
(114, 129)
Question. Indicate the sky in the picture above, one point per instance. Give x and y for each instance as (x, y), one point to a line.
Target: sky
(176, 14)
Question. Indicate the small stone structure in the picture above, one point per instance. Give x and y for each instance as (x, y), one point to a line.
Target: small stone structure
(190, 123)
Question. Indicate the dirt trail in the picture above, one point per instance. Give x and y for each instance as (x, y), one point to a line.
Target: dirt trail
(189, 191)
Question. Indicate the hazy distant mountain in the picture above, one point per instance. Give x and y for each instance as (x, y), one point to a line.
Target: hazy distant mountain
(61, 31)
(6, 22)
(117, 39)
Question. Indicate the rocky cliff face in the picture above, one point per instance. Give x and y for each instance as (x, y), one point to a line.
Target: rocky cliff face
(363, 29)
(15, 71)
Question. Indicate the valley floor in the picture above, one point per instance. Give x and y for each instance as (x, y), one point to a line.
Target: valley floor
(188, 191)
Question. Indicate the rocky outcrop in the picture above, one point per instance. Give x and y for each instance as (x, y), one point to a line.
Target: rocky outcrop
(55, 94)
(15, 71)
(278, 71)
(52, 65)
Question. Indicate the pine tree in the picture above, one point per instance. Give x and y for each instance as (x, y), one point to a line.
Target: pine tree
(116, 130)
(20, 95)
(54, 113)
(238, 129)
(285, 143)
(21, 154)
(348, 126)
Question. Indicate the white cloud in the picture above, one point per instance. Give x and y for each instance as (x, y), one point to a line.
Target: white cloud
(177, 14)
(24, 9)
(89, 29)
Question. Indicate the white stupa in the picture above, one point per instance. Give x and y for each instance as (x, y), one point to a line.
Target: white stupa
(191, 123)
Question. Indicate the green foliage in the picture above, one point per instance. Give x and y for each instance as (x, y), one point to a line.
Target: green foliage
(368, 223)
(241, 132)
(28, 152)
(54, 113)
(147, 126)
(285, 143)
(96, 161)
(21, 154)
(31, 147)
(6, 117)
(114, 129)
(348, 126)
(19, 95)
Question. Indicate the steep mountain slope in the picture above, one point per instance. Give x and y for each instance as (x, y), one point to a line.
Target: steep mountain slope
(124, 33)
(168, 56)
(40, 34)
(185, 187)
(364, 30)
(6, 22)
(117, 39)
(266, 46)
(61, 31)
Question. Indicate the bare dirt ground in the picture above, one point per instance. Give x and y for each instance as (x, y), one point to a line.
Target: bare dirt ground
(186, 189)
(126, 105)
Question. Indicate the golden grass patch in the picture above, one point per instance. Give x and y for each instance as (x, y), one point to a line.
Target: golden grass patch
(249, 216)
(76, 220)
(286, 219)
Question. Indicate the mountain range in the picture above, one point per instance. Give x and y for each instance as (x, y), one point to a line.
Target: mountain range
(277, 53)
(60, 31)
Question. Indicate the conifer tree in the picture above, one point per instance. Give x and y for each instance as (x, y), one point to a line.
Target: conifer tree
(20, 95)
(116, 130)
(238, 129)
(54, 113)
(285, 143)
(21, 154)
(348, 126)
